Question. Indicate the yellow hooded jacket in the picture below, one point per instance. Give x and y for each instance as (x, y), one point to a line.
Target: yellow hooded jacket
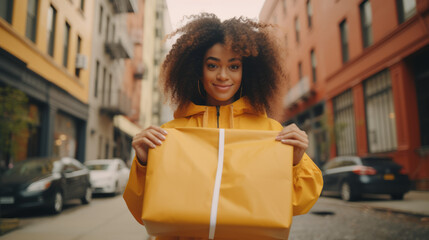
(307, 178)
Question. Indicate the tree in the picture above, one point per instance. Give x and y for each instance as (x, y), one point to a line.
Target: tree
(14, 121)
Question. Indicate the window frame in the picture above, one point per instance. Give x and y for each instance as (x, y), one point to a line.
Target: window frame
(78, 51)
(8, 11)
(344, 41)
(297, 30)
(366, 23)
(52, 31)
(100, 20)
(380, 96)
(309, 8)
(31, 21)
(345, 110)
(402, 15)
(313, 61)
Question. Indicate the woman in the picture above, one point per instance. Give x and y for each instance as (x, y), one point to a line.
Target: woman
(224, 75)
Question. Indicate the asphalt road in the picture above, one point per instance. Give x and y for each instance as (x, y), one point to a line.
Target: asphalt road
(105, 218)
(332, 218)
(108, 218)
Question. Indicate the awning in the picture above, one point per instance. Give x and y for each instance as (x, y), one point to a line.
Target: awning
(126, 126)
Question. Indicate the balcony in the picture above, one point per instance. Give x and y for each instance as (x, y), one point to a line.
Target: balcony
(118, 50)
(137, 36)
(301, 91)
(116, 103)
(139, 71)
(124, 6)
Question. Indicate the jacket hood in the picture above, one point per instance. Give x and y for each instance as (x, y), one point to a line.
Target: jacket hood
(238, 107)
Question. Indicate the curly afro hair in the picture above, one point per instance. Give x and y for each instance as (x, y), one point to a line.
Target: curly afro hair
(262, 66)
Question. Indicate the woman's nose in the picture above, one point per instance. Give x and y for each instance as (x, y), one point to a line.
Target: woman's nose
(222, 75)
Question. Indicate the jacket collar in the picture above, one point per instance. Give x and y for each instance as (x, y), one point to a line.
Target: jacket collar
(239, 107)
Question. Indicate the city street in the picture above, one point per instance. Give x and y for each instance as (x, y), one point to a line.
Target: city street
(331, 218)
(104, 218)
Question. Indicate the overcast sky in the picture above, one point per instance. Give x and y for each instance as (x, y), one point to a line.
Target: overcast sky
(224, 9)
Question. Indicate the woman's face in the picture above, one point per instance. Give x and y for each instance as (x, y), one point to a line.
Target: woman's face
(222, 72)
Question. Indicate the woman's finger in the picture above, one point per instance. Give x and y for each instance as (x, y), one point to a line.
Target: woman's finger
(153, 138)
(293, 135)
(295, 143)
(159, 130)
(283, 132)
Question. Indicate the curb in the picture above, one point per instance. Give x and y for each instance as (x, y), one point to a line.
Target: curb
(8, 224)
(393, 210)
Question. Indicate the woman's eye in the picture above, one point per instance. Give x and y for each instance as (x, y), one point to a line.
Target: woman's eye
(211, 66)
(235, 67)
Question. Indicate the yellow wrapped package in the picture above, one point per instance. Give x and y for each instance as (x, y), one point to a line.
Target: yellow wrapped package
(219, 183)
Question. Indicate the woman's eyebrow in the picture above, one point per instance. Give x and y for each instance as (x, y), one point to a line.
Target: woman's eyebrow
(234, 59)
(218, 60)
(213, 58)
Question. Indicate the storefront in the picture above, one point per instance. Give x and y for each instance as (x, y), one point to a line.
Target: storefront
(58, 120)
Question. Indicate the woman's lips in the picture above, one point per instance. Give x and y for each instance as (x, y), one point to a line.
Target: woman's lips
(222, 87)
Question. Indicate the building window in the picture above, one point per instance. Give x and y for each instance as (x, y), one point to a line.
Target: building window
(344, 120)
(65, 136)
(344, 41)
(366, 22)
(109, 90)
(309, 13)
(103, 86)
(34, 131)
(300, 70)
(107, 150)
(78, 51)
(313, 65)
(100, 20)
(113, 33)
(100, 146)
(6, 9)
(297, 29)
(97, 69)
(380, 113)
(82, 5)
(107, 28)
(31, 26)
(406, 9)
(52, 19)
(66, 44)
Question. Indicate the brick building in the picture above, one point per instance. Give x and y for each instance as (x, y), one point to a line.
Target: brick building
(358, 77)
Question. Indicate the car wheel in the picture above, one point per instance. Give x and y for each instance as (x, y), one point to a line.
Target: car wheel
(397, 196)
(57, 203)
(88, 196)
(117, 189)
(347, 193)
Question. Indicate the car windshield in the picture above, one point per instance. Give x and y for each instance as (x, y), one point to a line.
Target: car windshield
(98, 166)
(376, 161)
(31, 168)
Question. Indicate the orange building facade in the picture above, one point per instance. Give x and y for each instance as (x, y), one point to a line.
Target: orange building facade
(358, 78)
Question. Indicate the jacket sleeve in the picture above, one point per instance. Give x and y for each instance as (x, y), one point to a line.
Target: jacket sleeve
(133, 194)
(307, 185)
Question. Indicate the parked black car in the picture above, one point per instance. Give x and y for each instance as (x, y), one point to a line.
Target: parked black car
(352, 176)
(44, 182)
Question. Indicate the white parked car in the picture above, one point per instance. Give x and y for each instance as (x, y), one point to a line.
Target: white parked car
(108, 175)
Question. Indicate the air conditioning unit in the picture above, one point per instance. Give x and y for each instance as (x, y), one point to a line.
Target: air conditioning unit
(81, 61)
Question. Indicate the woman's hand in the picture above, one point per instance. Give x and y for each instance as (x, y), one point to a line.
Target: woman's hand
(148, 138)
(292, 135)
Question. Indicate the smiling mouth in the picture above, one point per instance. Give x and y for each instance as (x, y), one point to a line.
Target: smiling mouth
(222, 87)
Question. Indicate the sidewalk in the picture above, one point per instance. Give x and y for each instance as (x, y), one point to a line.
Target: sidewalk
(414, 202)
